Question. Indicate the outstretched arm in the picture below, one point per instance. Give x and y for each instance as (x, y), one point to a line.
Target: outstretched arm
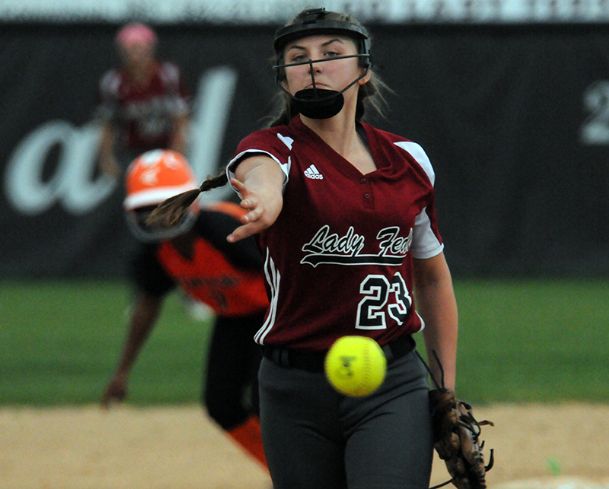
(437, 305)
(259, 181)
(143, 318)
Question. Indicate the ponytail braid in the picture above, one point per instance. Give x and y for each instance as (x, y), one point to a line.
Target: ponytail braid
(170, 211)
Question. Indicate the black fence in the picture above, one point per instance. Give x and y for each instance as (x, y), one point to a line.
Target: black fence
(514, 118)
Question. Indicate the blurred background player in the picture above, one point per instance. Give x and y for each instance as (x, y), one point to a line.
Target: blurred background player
(194, 255)
(143, 103)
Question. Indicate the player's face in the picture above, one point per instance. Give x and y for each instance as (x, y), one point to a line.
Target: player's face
(137, 53)
(329, 73)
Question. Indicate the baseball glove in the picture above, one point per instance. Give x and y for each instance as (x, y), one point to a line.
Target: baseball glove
(456, 439)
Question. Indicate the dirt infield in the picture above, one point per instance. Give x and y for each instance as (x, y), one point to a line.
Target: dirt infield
(551, 447)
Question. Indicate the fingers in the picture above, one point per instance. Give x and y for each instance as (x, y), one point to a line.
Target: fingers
(239, 186)
(252, 216)
(249, 202)
(253, 221)
(261, 211)
(114, 393)
(244, 231)
(106, 401)
(110, 399)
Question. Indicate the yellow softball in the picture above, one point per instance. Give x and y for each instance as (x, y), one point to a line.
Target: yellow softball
(355, 366)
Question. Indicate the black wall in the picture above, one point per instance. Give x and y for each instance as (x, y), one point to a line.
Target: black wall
(515, 120)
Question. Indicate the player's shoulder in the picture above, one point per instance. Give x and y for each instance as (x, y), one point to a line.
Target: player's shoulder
(110, 80)
(168, 69)
(388, 137)
(276, 138)
(274, 132)
(412, 148)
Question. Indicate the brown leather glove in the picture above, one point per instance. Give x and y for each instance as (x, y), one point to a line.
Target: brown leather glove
(456, 439)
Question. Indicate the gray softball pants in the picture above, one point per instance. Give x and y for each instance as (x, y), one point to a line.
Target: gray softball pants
(315, 438)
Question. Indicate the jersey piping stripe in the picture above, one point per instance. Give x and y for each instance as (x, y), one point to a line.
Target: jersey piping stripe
(422, 322)
(273, 281)
(287, 140)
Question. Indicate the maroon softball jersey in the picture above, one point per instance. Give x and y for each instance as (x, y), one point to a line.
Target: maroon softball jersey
(144, 113)
(338, 260)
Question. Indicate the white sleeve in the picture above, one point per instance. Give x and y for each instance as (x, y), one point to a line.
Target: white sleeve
(425, 243)
(232, 164)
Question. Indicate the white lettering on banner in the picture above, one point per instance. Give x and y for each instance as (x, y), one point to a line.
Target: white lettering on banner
(70, 184)
(211, 110)
(73, 184)
(595, 129)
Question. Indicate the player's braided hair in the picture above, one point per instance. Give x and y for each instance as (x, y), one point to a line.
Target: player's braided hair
(171, 210)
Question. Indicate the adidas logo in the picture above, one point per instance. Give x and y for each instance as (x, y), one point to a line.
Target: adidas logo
(313, 173)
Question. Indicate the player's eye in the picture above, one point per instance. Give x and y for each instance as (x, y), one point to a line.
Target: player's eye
(297, 58)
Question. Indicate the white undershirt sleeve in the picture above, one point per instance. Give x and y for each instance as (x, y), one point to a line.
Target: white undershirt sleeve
(425, 244)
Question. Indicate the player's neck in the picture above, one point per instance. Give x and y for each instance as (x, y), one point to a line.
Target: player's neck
(140, 74)
(339, 132)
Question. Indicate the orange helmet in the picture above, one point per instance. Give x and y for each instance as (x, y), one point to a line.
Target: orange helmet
(155, 176)
(150, 179)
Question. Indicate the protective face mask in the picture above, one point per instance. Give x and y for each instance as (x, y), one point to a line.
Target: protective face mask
(318, 103)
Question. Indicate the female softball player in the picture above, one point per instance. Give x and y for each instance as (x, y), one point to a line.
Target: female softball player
(144, 103)
(194, 256)
(345, 217)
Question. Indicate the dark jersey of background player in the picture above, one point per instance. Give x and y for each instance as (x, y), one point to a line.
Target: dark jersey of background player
(194, 258)
(226, 278)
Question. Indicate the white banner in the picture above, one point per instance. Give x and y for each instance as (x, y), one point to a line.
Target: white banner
(278, 11)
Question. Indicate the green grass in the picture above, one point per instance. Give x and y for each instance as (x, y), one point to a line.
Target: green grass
(534, 340)
(60, 341)
(520, 341)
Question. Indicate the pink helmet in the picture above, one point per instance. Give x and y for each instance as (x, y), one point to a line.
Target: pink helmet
(135, 32)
